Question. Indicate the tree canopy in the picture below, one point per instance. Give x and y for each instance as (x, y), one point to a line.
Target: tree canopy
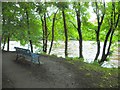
(31, 22)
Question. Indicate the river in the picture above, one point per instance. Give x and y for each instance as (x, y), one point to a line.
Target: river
(89, 51)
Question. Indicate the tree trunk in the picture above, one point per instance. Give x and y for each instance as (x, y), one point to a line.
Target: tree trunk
(4, 42)
(66, 35)
(52, 32)
(45, 34)
(80, 34)
(104, 46)
(8, 43)
(98, 42)
(113, 26)
(99, 21)
(110, 43)
(30, 41)
(3, 38)
(31, 45)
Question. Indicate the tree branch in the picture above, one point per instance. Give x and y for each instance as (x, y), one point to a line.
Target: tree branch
(48, 16)
(117, 20)
(97, 12)
(96, 31)
(103, 14)
(73, 24)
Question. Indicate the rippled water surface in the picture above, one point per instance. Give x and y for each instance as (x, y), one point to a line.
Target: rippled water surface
(89, 51)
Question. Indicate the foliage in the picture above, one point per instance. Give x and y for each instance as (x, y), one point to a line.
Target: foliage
(14, 12)
(15, 22)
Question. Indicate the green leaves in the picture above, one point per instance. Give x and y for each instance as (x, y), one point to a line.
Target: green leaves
(14, 23)
(62, 5)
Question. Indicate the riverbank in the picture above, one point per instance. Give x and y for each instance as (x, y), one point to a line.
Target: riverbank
(89, 51)
(55, 73)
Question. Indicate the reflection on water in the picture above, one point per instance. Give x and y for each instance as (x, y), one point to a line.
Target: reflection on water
(89, 51)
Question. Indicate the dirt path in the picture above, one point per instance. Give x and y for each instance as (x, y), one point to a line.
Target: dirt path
(51, 74)
(54, 73)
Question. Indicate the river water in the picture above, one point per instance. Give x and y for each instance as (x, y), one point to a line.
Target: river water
(89, 51)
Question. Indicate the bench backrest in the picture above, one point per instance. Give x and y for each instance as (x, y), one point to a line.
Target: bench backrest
(23, 51)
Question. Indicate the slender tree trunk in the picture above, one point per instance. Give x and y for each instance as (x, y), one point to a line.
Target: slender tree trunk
(113, 26)
(110, 43)
(111, 36)
(3, 38)
(0, 41)
(30, 41)
(104, 56)
(31, 45)
(66, 34)
(52, 32)
(45, 32)
(98, 42)
(8, 43)
(80, 33)
(100, 21)
(4, 41)
(104, 46)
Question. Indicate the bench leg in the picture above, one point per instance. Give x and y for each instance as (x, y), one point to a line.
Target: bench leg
(17, 57)
(38, 60)
(32, 59)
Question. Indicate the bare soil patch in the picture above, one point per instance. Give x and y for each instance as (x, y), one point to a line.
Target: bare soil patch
(54, 73)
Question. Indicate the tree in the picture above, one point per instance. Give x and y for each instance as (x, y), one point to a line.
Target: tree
(66, 34)
(19, 20)
(53, 24)
(27, 17)
(62, 6)
(8, 22)
(80, 10)
(79, 30)
(42, 10)
(114, 20)
(28, 7)
(100, 13)
(27, 24)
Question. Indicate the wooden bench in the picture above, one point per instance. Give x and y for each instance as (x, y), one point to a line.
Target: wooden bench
(34, 58)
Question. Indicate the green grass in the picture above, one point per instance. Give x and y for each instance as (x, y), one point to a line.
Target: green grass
(108, 76)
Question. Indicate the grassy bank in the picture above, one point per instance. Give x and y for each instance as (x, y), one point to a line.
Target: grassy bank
(108, 77)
